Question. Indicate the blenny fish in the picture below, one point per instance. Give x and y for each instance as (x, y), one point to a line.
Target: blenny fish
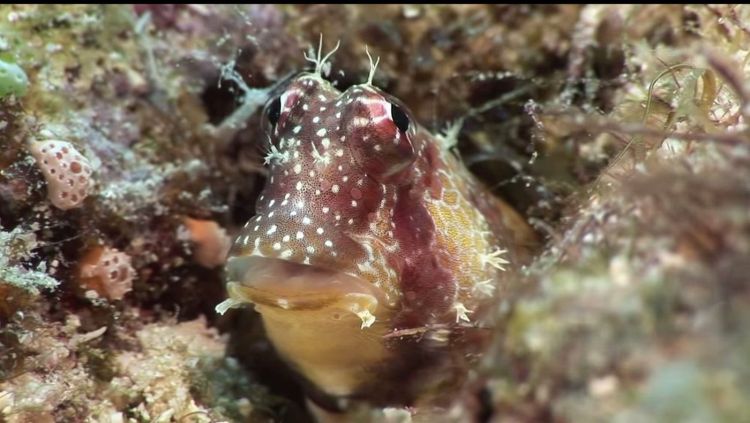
(371, 243)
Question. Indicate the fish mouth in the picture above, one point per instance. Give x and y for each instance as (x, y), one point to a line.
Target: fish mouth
(322, 321)
(286, 285)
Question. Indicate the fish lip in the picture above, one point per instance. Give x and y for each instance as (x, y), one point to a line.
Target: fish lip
(287, 285)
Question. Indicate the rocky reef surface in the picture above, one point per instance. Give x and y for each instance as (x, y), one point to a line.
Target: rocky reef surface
(130, 155)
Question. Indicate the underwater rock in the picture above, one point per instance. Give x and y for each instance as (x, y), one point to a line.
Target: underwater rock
(13, 80)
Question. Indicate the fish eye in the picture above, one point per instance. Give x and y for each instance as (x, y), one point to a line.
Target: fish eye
(274, 111)
(399, 117)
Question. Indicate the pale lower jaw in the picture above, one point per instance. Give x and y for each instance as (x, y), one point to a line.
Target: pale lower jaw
(276, 285)
(328, 325)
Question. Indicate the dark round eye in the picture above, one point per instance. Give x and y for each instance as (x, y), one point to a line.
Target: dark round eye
(274, 111)
(399, 118)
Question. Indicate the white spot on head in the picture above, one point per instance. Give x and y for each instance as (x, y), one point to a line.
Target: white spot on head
(335, 189)
(285, 239)
(297, 129)
(277, 246)
(325, 210)
(328, 243)
(300, 235)
(321, 132)
(360, 121)
(306, 220)
(299, 186)
(326, 142)
(316, 119)
(297, 168)
(339, 152)
(354, 203)
(310, 249)
(286, 254)
(319, 231)
(271, 230)
(305, 107)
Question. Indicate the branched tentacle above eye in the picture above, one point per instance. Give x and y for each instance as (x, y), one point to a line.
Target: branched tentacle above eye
(373, 66)
(318, 61)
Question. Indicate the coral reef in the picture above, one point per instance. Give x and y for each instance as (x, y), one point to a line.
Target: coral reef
(637, 310)
(160, 372)
(619, 131)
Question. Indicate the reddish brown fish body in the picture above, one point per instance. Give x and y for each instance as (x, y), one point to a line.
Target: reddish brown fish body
(368, 226)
